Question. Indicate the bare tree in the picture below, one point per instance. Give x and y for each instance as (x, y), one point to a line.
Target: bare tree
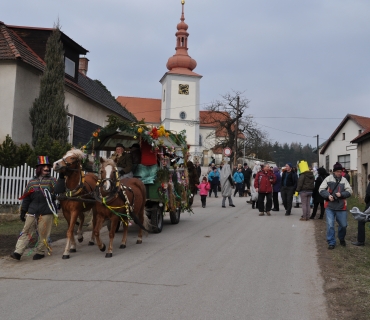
(228, 114)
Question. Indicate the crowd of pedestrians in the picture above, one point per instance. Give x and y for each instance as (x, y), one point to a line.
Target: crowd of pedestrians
(325, 191)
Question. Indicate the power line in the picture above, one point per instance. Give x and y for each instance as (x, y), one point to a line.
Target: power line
(299, 134)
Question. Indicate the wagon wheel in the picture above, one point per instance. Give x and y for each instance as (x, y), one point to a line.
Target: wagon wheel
(156, 218)
(109, 224)
(175, 216)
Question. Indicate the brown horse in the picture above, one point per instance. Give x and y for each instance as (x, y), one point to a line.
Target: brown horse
(118, 200)
(78, 197)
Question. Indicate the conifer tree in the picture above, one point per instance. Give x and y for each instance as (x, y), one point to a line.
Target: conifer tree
(48, 114)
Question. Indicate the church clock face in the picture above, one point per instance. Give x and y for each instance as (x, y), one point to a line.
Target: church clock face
(184, 89)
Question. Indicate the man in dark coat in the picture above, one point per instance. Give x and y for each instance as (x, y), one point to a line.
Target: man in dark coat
(276, 189)
(193, 180)
(247, 172)
(361, 224)
(317, 198)
(288, 186)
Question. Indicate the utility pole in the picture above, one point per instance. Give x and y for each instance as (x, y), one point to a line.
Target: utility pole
(236, 129)
(318, 153)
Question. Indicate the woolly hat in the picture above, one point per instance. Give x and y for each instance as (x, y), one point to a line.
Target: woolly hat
(42, 161)
(337, 167)
(290, 164)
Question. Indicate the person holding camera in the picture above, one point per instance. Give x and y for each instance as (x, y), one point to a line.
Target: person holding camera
(123, 161)
(335, 189)
(263, 183)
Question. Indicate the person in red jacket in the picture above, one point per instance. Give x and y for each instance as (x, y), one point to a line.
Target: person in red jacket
(263, 185)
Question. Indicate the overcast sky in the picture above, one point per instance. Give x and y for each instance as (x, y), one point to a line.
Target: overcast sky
(292, 58)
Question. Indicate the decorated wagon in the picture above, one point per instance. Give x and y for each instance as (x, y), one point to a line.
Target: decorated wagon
(159, 161)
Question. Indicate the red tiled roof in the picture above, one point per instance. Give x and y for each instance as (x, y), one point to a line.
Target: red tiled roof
(214, 119)
(363, 122)
(143, 108)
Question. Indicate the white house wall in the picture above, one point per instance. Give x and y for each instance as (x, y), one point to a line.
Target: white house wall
(7, 94)
(338, 147)
(363, 166)
(27, 90)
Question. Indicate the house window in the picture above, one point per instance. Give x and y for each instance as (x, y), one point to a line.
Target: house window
(69, 126)
(69, 67)
(343, 136)
(359, 131)
(200, 140)
(345, 161)
(164, 95)
(327, 164)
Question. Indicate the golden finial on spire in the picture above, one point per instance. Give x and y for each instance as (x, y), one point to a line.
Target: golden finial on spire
(183, 1)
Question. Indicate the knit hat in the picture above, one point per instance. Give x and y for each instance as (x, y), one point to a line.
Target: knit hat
(42, 161)
(290, 164)
(337, 167)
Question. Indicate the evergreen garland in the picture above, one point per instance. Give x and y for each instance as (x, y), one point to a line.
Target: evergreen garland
(48, 114)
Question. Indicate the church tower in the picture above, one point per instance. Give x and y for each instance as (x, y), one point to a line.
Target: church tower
(181, 89)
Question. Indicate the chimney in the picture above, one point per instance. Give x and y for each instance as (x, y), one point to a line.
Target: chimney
(83, 65)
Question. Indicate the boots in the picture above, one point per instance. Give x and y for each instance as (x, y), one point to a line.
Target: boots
(253, 204)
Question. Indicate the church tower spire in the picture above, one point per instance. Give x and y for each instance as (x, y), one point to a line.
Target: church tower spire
(181, 61)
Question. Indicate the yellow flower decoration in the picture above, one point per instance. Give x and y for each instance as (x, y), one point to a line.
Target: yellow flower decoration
(140, 130)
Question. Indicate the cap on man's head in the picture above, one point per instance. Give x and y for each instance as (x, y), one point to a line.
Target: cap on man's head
(119, 145)
(245, 164)
(290, 164)
(337, 167)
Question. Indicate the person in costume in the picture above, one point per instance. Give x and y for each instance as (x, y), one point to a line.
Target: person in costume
(37, 211)
(123, 161)
(254, 193)
(227, 184)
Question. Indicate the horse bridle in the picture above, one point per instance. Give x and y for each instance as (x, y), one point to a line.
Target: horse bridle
(68, 164)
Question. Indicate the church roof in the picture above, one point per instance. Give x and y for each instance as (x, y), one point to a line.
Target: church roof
(181, 63)
(142, 108)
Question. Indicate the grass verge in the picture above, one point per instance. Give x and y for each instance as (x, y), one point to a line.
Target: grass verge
(346, 270)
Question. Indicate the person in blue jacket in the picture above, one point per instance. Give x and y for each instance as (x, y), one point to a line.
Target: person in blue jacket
(214, 179)
(239, 180)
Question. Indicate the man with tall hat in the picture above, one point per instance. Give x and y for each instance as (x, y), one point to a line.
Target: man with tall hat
(123, 160)
(37, 211)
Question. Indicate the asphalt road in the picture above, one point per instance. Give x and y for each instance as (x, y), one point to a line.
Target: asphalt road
(219, 263)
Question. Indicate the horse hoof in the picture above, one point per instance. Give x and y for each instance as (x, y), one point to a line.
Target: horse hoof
(122, 246)
(139, 241)
(103, 249)
(91, 243)
(65, 256)
(72, 250)
(80, 240)
(109, 255)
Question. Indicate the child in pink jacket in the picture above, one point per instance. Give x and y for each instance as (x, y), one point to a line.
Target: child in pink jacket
(204, 188)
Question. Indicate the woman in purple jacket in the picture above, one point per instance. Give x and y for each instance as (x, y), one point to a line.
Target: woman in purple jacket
(276, 189)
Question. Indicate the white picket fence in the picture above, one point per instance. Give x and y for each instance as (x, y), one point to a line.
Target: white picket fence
(13, 182)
